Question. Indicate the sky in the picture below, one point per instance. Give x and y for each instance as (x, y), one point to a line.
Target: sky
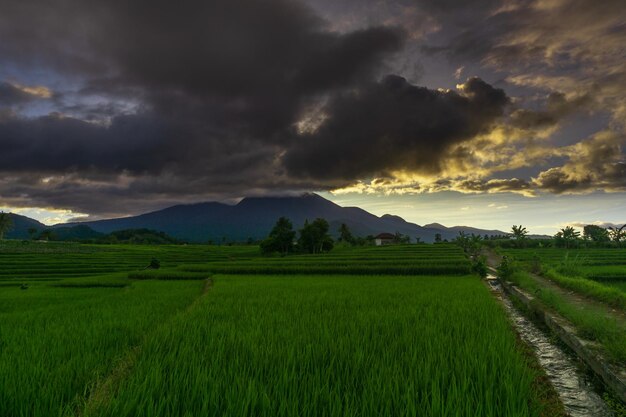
(479, 112)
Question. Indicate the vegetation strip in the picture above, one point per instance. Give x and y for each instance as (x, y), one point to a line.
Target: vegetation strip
(613, 378)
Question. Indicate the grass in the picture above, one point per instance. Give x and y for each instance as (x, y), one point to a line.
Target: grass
(395, 260)
(357, 331)
(598, 291)
(56, 342)
(591, 323)
(599, 274)
(332, 346)
(168, 274)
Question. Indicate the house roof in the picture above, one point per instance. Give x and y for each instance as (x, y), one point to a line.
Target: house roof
(385, 236)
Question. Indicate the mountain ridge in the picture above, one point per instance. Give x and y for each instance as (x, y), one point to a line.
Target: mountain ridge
(253, 217)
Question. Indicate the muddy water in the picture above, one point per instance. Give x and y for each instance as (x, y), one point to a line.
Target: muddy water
(572, 385)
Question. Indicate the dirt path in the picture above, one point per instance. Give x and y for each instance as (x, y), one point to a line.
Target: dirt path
(578, 300)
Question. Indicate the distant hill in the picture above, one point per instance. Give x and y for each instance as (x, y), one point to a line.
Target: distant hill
(21, 225)
(253, 218)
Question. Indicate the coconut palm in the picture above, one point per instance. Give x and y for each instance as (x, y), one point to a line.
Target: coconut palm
(567, 235)
(617, 233)
(519, 233)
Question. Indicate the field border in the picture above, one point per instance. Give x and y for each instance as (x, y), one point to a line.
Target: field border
(612, 377)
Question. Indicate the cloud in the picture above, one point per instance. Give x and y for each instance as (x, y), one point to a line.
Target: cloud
(597, 163)
(154, 103)
(168, 100)
(568, 46)
(557, 107)
(393, 125)
(14, 94)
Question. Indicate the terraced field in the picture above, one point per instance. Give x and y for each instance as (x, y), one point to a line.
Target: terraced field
(586, 286)
(596, 273)
(388, 331)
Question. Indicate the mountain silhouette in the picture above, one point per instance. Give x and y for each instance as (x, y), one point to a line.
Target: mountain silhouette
(253, 218)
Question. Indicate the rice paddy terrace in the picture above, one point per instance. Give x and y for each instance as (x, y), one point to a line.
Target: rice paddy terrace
(585, 286)
(403, 330)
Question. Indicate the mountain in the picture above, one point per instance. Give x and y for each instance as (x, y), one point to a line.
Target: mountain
(22, 225)
(465, 229)
(253, 218)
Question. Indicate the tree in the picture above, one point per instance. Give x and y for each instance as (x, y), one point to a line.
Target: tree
(617, 233)
(567, 236)
(32, 232)
(520, 233)
(437, 237)
(280, 238)
(345, 235)
(47, 235)
(6, 223)
(400, 238)
(596, 233)
(314, 237)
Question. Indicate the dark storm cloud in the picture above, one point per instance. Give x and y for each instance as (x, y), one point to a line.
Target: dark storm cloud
(211, 87)
(11, 95)
(394, 125)
(159, 101)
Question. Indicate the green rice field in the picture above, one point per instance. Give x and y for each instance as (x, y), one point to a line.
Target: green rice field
(85, 330)
(597, 273)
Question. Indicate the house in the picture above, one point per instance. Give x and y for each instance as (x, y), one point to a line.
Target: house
(384, 239)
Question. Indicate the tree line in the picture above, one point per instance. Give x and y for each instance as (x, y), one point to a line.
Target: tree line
(313, 237)
(567, 237)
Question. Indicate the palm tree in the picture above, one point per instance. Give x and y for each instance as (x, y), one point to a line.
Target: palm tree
(5, 224)
(617, 233)
(519, 233)
(568, 235)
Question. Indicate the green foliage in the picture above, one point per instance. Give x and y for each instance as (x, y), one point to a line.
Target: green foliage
(154, 263)
(280, 239)
(167, 274)
(591, 322)
(567, 237)
(393, 260)
(57, 343)
(571, 265)
(331, 346)
(617, 234)
(479, 266)
(140, 237)
(6, 223)
(345, 235)
(47, 234)
(596, 233)
(471, 244)
(314, 237)
(506, 269)
(520, 234)
(32, 231)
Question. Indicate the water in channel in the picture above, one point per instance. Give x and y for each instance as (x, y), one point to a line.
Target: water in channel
(572, 385)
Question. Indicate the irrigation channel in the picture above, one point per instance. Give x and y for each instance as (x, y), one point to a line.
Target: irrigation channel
(573, 386)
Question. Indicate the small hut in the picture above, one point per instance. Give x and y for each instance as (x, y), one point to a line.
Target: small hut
(384, 239)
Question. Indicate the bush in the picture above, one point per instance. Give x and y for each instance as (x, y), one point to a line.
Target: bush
(505, 269)
(479, 266)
